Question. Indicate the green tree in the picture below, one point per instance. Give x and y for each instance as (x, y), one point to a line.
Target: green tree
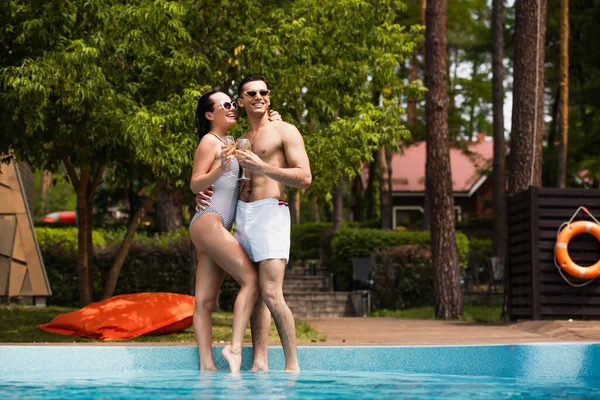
(326, 60)
(92, 83)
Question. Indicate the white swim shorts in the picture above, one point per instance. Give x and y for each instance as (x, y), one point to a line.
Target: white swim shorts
(263, 229)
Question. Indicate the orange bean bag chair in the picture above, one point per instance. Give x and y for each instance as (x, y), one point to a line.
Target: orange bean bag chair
(127, 316)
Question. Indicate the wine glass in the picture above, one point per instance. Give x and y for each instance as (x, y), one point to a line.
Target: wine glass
(229, 142)
(244, 146)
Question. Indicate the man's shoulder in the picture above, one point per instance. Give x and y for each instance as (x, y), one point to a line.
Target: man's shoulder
(286, 128)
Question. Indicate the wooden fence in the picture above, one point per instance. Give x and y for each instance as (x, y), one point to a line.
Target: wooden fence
(536, 288)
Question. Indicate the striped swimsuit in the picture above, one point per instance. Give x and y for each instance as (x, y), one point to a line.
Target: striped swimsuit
(225, 196)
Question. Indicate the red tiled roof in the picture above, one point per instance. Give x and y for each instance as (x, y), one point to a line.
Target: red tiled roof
(468, 167)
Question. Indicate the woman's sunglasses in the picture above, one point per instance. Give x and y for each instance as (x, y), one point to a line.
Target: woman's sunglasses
(227, 106)
(252, 93)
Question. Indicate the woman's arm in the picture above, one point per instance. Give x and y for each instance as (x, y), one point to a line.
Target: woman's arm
(204, 158)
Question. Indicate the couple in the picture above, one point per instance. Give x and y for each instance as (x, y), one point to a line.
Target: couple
(257, 253)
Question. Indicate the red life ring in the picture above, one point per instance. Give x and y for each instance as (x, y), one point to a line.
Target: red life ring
(562, 254)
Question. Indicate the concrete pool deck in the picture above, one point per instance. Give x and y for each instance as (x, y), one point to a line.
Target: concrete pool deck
(357, 331)
(393, 331)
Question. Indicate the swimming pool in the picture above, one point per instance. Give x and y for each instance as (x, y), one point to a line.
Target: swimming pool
(549, 370)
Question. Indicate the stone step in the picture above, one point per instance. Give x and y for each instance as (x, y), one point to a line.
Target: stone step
(315, 296)
(320, 304)
(305, 283)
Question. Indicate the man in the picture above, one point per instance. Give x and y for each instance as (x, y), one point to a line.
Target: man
(262, 226)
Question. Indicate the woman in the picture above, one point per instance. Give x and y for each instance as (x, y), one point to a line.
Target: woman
(218, 251)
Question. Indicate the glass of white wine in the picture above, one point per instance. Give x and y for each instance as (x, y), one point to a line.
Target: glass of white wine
(244, 146)
(228, 142)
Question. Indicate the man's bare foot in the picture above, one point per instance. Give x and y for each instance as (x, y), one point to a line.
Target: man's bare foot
(259, 367)
(292, 369)
(234, 359)
(208, 368)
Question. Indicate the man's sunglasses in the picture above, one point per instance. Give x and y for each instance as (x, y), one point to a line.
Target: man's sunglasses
(227, 106)
(252, 93)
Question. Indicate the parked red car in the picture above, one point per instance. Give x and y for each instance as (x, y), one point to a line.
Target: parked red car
(62, 217)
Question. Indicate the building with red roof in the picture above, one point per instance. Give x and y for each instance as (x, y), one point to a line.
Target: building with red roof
(471, 181)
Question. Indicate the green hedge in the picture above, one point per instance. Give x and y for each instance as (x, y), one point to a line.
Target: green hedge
(155, 264)
(163, 262)
(306, 240)
(403, 277)
(350, 243)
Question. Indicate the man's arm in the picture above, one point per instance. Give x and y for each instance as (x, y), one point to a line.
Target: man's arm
(297, 174)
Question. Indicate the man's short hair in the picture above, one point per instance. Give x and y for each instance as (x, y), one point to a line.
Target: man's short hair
(252, 78)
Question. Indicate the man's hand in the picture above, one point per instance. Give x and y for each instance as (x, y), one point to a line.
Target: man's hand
(203, 199)
(251, 161)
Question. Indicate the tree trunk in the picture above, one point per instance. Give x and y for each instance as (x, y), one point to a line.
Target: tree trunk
(564, 93)
(549, 173)
(385, 188)
(528, 95)
(499, 205)
(315, 209)
(168, 209)
(448, 301)
(411, 107)
(357, 197)
(80, 184)
(294, 202)
(83, 271)
(45, 183)
(338, 205)
(370, 193)
(90, 245)
(113, 275)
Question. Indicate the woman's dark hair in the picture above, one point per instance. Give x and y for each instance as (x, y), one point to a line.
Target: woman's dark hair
(205, 104)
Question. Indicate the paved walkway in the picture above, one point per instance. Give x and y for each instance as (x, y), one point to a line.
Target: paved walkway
(392, 331)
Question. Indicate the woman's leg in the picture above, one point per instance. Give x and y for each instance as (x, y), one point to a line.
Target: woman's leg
(209, 278)
(208, 235)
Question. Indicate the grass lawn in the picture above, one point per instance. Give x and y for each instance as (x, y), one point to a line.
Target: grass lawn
(471, 312)
(19, 324)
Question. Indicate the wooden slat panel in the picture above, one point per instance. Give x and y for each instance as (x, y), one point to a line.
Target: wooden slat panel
(560, 213)
(520, 259)
(15, 280)
(8, 226)
(520, 237)
(521, 300)
(34, 265)
(565, 289)
(519, 280)
(570, 311)
(6, 201)
(520, 269)
(521, 291)
(8, 172)
(522, 226)
(568, 192)
(18, 249)
(570, 202)
(26, 288)
(4, 270)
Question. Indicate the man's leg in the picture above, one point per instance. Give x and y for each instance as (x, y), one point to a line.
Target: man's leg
(260, 325)
(270, 274)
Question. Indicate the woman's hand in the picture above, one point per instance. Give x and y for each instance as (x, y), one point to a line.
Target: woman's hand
(227, 156)
(274, 116)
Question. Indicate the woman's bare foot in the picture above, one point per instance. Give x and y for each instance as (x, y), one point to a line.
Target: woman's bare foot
(233, 359)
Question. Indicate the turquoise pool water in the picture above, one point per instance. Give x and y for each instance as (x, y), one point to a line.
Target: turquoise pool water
(531, 371)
